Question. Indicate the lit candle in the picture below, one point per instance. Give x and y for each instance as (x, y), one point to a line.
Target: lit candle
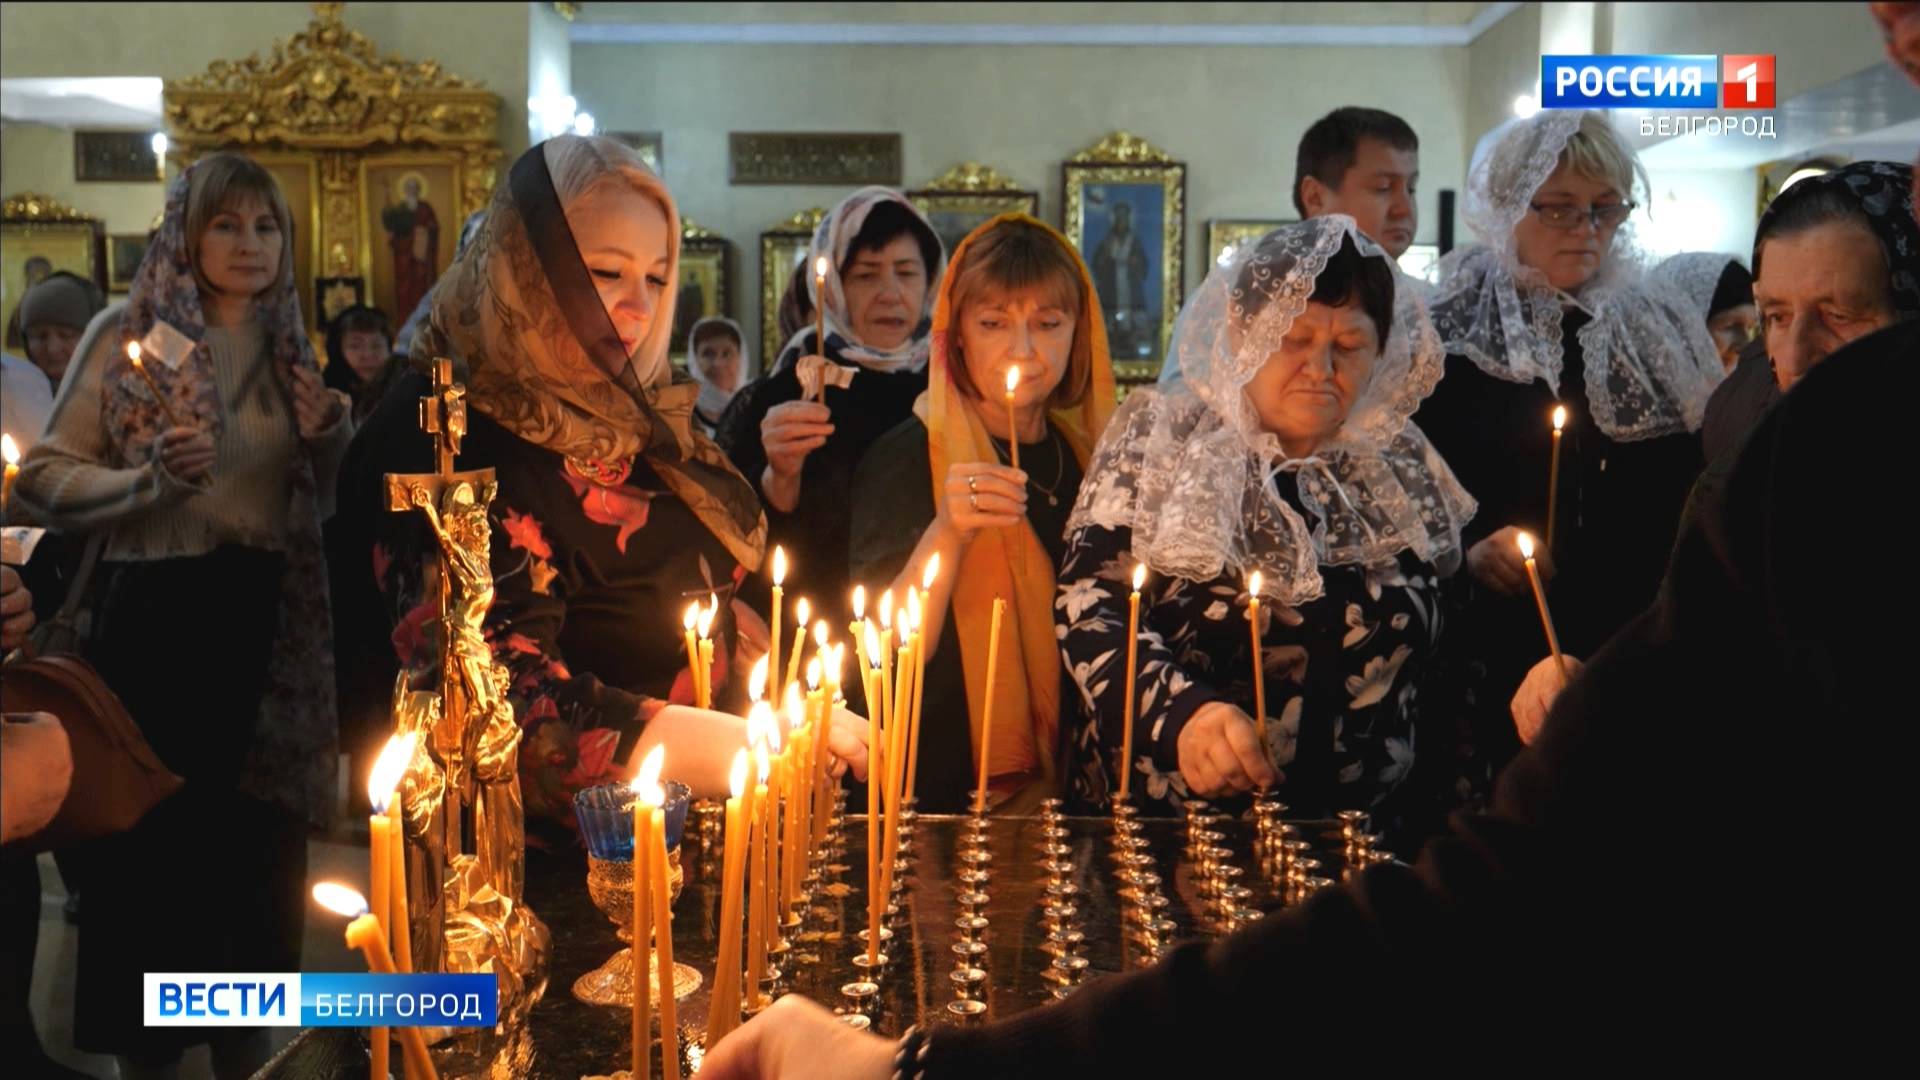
(886, 656)
(1133, 655)
(920, 674)
(1540, 597)
(775, 781)
(1259, 662)
(11, 453)
(986, 719)
(380, 840)
(773, 627)
(757, 874)
(133, 356)
(723, 1012)
(690, 622)
(819, 703)
(364, 933)
(798, 785)
(820, 266)
(640, 1013)
(1553, 472)
(706, 650)
(1013, 425)
(650, 846)
(801, 610)
(876, 759)
(858, 628)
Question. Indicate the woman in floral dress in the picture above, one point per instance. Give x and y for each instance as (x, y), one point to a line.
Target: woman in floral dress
(1277, 442)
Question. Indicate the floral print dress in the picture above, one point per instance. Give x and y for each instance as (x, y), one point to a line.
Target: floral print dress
(1341, 686)
(592, 574)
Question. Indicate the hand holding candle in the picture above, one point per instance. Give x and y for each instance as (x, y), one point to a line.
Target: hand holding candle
(140, 368)
(1540, 597)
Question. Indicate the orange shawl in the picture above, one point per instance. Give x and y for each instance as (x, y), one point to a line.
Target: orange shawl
(1009, 562)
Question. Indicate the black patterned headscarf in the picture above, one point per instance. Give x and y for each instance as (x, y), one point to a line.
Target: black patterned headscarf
(1882, 193)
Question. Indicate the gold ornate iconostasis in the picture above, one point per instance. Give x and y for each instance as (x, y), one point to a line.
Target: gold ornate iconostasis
(381, 158)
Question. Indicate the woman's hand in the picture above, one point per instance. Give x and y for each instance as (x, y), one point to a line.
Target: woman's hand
(791, 431)
(316, 409)
(16, 610)
(847, 735)
(795, 1039)
(1496, 563)
(981, 496)
(187, 454)
(1220, 753)
(1537, 693)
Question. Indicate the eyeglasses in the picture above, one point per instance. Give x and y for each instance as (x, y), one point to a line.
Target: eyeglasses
(1563, 217)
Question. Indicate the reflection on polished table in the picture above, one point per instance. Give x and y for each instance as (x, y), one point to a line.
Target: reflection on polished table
(1054, 892)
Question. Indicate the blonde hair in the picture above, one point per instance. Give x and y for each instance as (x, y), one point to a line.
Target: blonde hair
(583, 164)
(220, 182)
(1595, 151)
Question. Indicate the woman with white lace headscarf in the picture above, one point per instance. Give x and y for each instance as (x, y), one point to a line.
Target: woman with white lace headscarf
(1551, 309)
(1277, 443)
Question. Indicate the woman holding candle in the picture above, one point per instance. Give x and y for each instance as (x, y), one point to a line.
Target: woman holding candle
(613, 514)
(798, 432)
(218, 586)
(1277, 442)
(1552, 309)
(1017, 298)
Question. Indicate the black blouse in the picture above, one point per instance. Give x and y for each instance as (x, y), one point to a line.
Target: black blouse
(816, 532)
(892, 507)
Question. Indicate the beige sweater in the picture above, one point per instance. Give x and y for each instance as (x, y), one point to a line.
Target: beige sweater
(71, 480)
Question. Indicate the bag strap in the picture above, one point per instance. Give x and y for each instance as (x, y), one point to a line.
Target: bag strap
(76, 593)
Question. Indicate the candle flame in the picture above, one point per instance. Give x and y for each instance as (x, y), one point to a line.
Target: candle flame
(761, 763)
(761, 715)
(1139, 575)
(820, 267)
(913, 611)
(820, 633)
(886, 610)
(646, 782)
(388, 768)
(340, 899)
(933, 571)
(692, 618)
(796, 706)
(1013, 380)
(9, 450)
(1253, 584)
(133, 352)
(873, 647)
(737, 776)
(813, 673)
(779, 564)
(706, 616)
(837, 661)
(859, 603)
(772, 734)
(1559, 417)
(802, 611)
(757, 680)
(1526, 545)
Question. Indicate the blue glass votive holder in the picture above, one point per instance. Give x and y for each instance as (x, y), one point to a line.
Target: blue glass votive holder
(605, 814)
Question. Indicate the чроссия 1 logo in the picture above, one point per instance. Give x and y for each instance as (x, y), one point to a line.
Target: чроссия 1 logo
(1656, 81)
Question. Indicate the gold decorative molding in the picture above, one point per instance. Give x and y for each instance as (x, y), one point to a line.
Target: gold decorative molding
(804, 219)
(565, 10)
(693, 230)
(31, 206)
(327, 87)
(971, 176)
(1123, 148)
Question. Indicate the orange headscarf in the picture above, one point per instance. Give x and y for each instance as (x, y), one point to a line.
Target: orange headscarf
(1009, 562)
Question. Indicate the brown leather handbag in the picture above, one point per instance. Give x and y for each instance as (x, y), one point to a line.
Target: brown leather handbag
(117, 777)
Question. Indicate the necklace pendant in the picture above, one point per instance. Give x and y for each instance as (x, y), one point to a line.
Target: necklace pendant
(1052, 500)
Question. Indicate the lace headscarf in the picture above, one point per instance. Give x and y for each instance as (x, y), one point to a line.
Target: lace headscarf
(1691, 278)
(1189, 469)
(834, 238)
(1650, 365)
